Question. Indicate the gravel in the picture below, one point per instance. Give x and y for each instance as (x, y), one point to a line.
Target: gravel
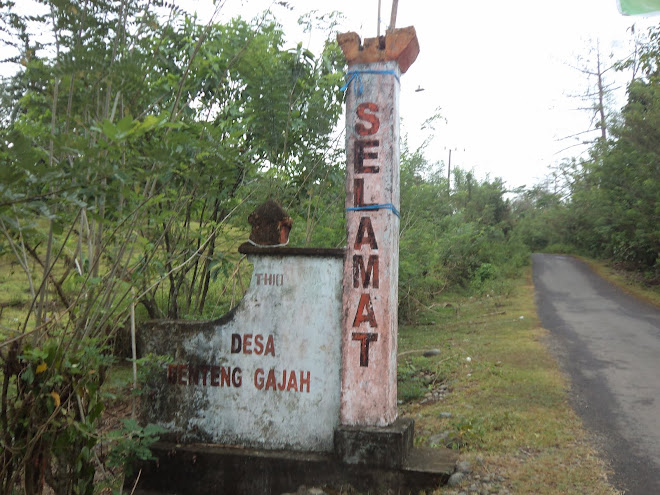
(467, 482)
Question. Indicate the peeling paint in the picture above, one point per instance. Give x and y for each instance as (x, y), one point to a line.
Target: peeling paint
(369, 341)
(269, 375)
(371, 266)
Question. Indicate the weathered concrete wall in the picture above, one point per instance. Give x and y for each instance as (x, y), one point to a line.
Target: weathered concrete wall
(196, 470)
(266, 375)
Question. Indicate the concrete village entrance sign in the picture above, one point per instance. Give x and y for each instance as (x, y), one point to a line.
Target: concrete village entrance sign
(298, 382)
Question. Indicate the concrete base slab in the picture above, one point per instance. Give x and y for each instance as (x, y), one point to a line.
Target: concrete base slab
(206, 469)
(423, 465)
(381, 446)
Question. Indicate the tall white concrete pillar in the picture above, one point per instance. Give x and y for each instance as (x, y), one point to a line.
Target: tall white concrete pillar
(370, 298)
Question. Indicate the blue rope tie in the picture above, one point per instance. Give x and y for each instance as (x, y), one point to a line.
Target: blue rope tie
(356, 74)
(386, 206)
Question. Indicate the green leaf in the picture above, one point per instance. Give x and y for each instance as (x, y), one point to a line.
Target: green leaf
(28, 376)
(109, 129)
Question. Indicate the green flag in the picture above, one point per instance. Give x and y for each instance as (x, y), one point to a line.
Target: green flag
(638, 7)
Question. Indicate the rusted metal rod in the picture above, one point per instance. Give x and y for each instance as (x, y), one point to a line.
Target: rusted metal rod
(395, 6)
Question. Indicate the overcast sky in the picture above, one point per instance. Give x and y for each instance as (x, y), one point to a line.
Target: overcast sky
(499, 71)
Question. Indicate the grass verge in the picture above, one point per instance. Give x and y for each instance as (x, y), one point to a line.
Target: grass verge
(495, 392)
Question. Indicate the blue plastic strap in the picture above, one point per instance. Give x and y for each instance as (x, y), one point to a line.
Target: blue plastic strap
(386, 206)
(356, 75)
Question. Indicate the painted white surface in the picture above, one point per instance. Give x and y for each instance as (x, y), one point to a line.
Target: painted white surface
(300, 312)
(369, 389)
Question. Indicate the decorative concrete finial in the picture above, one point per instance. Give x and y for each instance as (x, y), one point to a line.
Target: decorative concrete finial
(399, 45)
(270, 225)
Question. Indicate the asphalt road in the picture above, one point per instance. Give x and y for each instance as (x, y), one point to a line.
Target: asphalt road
(609, 344)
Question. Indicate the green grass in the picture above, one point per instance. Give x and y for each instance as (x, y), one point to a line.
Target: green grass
(119, 378)
(507, 403)
(228, 284)
(14, 297)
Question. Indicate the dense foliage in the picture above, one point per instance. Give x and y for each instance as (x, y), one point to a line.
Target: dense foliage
(133, 143)
(608, 205)
(131, 140)
(455, 237)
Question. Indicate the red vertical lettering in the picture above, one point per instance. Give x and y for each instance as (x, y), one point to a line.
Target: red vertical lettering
(366, 276)
(270, 346)
(293, 384)
(282, 385)
(235, 343)
(225, 376)
(365, 234)
(358, 193)
(215, 376)
(362, 114)
(259, 344)
(365, 339)
(236, 378)
(304, 380)
(247, 343)
(259, 378)
(360, 156)
(271, 383)
(365, 312)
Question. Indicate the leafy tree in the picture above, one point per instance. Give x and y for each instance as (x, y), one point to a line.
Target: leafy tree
(450, 243)
(129, 144)
(539, 219)
(612, 209)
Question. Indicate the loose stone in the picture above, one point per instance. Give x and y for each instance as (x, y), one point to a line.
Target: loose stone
(455, 479)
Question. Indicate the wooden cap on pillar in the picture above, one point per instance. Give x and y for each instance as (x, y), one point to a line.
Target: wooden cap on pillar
(400, 45)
